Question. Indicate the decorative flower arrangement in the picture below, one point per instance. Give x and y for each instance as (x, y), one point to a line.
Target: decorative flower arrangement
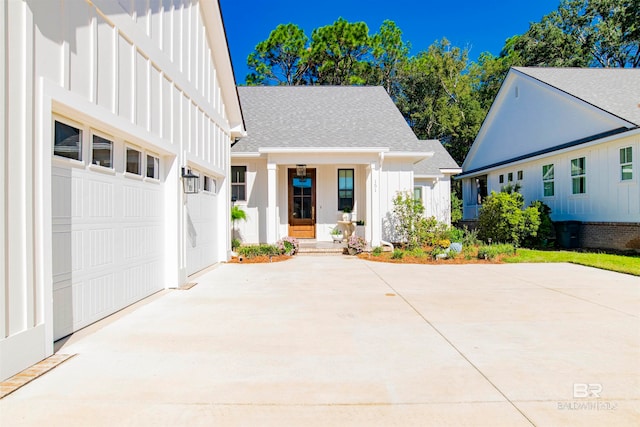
(288, 245)
(356, 244)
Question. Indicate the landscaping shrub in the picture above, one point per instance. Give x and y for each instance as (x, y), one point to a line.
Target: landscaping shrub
(455, 234)
(546, 232)
(235, 244)
(397, 254)
(407, 216)
(251, 251)
(492, 251)
(503, 219)
(456, 208)
(377, 251)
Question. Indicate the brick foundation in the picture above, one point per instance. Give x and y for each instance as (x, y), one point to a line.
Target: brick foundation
(610, 235)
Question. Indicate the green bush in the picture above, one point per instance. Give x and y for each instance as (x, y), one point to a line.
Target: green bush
(397, 254)
(235, 243)
(546, 232)
(377, 251)
(492, 251)
(503, 219)
(456, 208)
(455, 234)
(407, 215)
(251, 251)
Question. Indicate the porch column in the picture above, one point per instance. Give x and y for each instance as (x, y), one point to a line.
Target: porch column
(272, 210)
(374, 230)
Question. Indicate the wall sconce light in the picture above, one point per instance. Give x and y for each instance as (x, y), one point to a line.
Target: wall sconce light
(190, 181)
(301, 171)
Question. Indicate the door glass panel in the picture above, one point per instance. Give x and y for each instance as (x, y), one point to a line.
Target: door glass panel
(302, 197)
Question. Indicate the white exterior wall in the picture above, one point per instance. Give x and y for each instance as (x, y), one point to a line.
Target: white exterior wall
(375, 188)
(436, 197)
(607, 197)
(144, 77)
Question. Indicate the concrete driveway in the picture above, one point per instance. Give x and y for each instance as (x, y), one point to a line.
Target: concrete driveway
(329, 340)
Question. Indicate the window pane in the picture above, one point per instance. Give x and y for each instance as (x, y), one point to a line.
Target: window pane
(153, 167)
(417, 193)
(579, 185)
(627, 172)
(577, 166)
(133, 161)
(67, 141)
(626, 155)
(547, 172)
(501, 179)
(238, 174)
(101, 152)
(345, 189)
(548, 189)
(520, 175)
(510, 176)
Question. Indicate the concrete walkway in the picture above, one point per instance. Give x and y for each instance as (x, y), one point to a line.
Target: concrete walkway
(337, 341)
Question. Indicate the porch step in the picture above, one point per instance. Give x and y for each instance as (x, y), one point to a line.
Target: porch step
(320, 248)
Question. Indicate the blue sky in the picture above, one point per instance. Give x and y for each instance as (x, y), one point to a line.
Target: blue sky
(482, 26)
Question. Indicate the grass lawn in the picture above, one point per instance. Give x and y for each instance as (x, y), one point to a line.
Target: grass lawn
(619, 263)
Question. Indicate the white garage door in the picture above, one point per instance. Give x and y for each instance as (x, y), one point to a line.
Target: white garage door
(107, 243)
(201, 230)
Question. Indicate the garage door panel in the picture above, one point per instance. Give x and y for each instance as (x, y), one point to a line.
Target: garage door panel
(202, 224)
(107, 241)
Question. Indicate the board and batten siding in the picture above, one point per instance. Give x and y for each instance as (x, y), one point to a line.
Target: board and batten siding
(607, 197)
(150, 74)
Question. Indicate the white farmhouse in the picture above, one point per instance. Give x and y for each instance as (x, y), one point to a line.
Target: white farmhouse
(313, 151)
(569, 137)
(105, 105)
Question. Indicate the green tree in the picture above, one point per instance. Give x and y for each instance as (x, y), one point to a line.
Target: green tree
(281, 59)
(437, 97)
(503, 219)
(338, 53)
(389, 52)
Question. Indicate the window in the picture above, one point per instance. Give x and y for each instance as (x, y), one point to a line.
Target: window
(547, 180)
(134, 160)
(578, 176)
(209, 184)
(238, 183)
(510, 177)
(501, 179)
(345, 189)
(417, 194)
(67, 141)
(520, 175)
(626, 163)
(101, 152)
(153, 167)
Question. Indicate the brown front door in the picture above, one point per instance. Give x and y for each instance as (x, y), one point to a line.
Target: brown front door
(302, 204)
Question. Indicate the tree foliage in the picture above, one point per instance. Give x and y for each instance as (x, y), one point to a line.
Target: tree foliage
(441, 93)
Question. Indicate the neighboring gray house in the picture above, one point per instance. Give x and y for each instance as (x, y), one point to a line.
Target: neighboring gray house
(569, 137)
(352, 147)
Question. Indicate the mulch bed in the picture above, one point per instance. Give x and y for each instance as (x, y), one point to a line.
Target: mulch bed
(259, 259)
(409, 259)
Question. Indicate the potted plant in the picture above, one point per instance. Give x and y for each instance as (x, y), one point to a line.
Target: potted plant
(336, 235)
(346, 214)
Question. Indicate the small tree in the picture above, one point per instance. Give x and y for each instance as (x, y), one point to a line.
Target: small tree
(503, 219)
(407, 213)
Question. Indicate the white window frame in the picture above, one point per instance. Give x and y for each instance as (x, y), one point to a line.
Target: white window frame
(156, 169)
(626, 162)
(238, 184)
(546, 179)
(140, 173)
(82, 137)
(581, 175)
(94, 134)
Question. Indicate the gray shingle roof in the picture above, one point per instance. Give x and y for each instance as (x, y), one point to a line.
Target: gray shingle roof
(615, 90)
(441, 159)
(323, 117)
